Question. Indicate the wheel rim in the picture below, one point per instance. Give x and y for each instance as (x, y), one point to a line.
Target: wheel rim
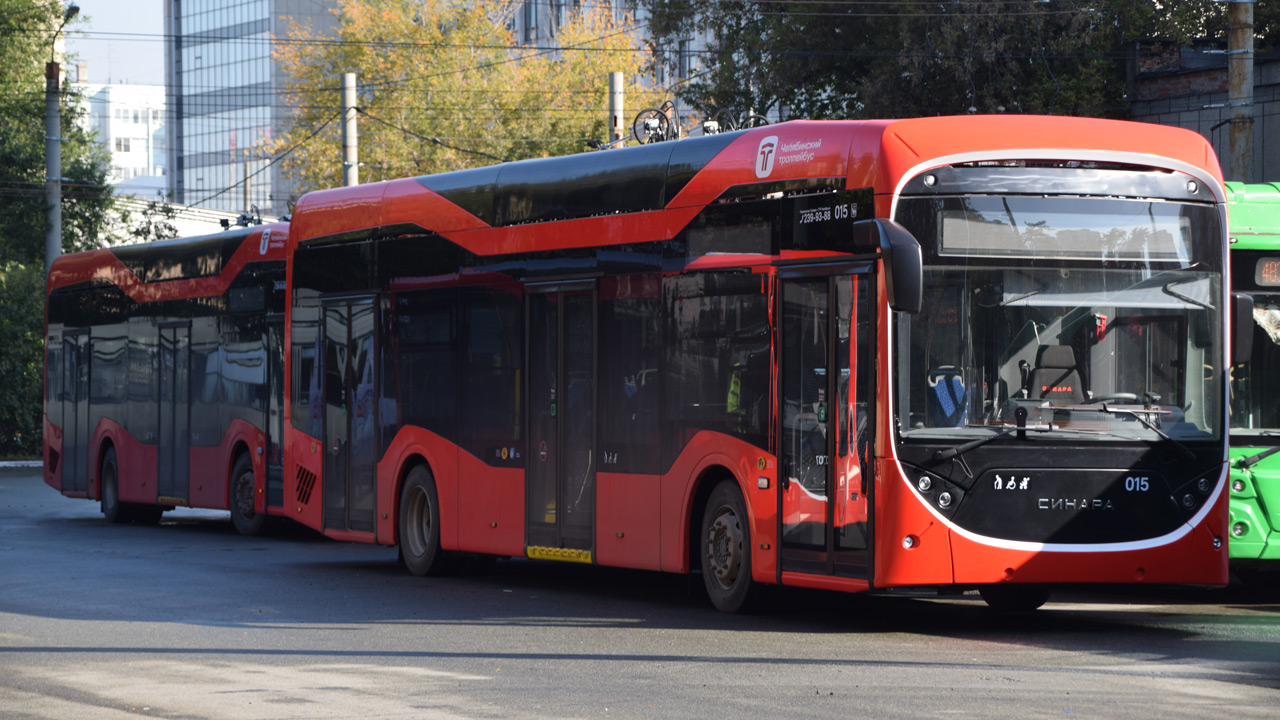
(418, 526)
(724, 547)
(244, 495)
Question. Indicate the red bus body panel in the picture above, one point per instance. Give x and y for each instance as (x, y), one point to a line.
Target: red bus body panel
(210, 467)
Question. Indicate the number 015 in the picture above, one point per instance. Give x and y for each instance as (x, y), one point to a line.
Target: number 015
(1137, 484)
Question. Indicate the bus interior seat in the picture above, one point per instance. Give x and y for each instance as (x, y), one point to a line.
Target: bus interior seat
(946, 397)
(1054, 376)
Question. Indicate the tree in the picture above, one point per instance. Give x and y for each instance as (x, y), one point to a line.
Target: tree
(875, 59)
(443, 87)
(26, 36)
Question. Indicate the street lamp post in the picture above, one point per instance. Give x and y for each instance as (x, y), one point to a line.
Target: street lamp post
(53, 146)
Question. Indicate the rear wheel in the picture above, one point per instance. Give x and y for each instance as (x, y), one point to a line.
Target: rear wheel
(419, 531)
(726, 549)
(109, 491)
(246, 519)
(1014, 598)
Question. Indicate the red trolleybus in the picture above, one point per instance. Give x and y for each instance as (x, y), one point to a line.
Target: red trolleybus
(163, 376)
(729, 355)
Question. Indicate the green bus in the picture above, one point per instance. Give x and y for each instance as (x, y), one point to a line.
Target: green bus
(1253, 212)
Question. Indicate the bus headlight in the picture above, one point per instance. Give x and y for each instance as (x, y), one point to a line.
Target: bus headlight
(1203, 485)
(944, 499)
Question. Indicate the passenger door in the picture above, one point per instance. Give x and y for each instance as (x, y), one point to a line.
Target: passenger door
(561, 457)
(825, 409)
(75, 410)
(173, 470)
(350, 405)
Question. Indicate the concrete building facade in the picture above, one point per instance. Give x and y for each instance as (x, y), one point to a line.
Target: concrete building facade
(1187, 87)
(130, 122)
(224, 103)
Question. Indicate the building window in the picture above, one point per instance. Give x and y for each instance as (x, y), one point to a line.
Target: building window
(685, 59)
(530, 21)
(122, 144)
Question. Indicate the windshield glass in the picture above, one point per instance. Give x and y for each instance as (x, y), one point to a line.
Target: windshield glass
(1255, 385)
(1063, 306)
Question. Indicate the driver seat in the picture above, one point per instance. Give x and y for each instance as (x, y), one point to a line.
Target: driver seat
(1054, 377)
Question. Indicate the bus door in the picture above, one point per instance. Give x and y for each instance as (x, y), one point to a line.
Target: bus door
(173, 451)
(350, 404)
(561, 456)
(275, 409)
(826, 362)
(75, 410)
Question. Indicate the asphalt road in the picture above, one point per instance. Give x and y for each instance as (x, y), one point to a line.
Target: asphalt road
(190, 620)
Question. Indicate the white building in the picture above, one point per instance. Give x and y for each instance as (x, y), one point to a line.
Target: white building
(130, 121)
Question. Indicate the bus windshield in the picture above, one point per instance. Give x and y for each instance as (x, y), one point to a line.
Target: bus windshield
(1081, 311)
(1255, 385)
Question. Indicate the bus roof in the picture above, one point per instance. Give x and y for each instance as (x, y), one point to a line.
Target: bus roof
(671, 182)
(181, 267)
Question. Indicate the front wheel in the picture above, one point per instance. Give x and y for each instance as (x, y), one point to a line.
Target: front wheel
(1014, 598)
(419, 531)
(109, 491)
(726, 549)
(246, 520)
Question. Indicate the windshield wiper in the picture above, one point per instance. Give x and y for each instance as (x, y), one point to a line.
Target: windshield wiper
(1019, 416)
(1141, 416)
(1248, 462)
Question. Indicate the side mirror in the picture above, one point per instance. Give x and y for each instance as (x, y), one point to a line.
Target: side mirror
(1241, 327)
(903, 264)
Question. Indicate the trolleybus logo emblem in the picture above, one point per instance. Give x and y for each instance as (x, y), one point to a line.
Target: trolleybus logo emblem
(765, 155)
(265, 242)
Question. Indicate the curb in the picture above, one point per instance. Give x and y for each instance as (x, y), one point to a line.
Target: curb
(20, 464)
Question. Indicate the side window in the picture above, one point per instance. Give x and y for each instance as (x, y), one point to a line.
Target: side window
(492, 356)
(717, 357)
(425, 376)
(307, 406)
(53, 378)
(630, 357)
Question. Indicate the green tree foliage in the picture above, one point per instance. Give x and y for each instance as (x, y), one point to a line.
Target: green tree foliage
(21, 365)
(442, 86)
(875, 59)
(26, 37)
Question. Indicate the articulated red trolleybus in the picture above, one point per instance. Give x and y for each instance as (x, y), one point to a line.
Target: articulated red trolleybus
(955, 352)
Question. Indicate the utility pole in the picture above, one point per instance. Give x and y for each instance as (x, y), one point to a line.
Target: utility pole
(53, 147)
(1240, 89)
(350, 141)
(616, 110)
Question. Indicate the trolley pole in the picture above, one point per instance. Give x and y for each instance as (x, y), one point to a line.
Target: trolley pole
(616, 107)
(1240, 89)
(350, 140)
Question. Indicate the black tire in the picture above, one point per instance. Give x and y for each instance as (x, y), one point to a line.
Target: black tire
(1014, 598)
(113, 510)
(725, 544)
(419, 526)
(246, 520)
